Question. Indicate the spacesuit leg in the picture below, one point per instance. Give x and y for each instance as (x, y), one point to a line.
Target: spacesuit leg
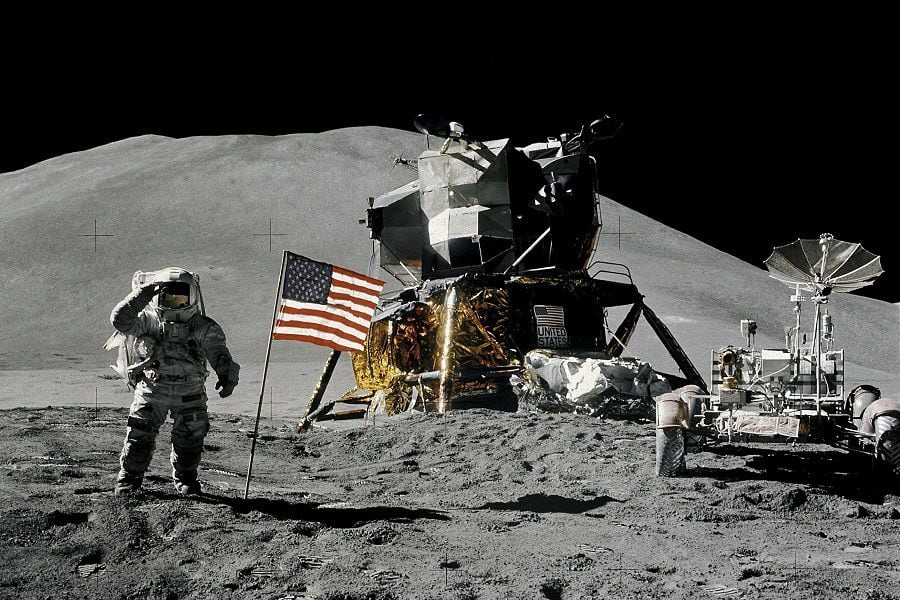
(188, 432)
(147, 414)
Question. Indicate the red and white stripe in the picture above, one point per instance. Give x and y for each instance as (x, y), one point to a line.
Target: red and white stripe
(342, 323)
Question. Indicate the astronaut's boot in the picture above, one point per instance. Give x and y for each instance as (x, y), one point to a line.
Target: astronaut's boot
(184, 470)
(186, 482)
(128, 484)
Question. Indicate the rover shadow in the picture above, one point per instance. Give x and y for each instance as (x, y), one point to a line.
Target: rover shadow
(833, 472)
(544, 503)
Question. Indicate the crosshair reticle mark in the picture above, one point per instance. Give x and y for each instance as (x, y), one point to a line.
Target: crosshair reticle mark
(95, 235)
(270, 235)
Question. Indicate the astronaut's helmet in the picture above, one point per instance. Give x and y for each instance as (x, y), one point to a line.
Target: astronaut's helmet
(179, 300)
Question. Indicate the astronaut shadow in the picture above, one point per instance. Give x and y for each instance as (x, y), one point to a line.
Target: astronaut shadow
(339, 517)
(549, 503)
(831, 472)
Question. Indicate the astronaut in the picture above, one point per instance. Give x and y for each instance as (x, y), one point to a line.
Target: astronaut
(169, 342)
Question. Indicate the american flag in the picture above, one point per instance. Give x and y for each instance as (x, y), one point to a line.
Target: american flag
(549, 315)
(325, 304)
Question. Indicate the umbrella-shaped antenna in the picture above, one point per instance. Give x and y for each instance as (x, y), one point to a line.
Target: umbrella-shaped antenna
(822, 266)
(816, 265)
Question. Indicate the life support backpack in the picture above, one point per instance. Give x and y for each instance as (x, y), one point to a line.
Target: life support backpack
(125, 365)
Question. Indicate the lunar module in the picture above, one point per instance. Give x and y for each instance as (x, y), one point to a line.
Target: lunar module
(795, 392)
(501, 304)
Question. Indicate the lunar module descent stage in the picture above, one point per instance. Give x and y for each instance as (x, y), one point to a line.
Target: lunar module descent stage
(501, 305)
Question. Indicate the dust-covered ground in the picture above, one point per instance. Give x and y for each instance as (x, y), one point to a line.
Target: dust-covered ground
(474, 504)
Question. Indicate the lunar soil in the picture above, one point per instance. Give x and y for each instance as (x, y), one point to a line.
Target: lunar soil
(471, 504)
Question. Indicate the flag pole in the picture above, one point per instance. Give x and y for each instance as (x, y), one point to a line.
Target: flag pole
(262, 385)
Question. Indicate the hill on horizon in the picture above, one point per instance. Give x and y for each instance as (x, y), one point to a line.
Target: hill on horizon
(205, 203)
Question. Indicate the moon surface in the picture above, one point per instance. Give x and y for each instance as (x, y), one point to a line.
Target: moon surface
(472, 504)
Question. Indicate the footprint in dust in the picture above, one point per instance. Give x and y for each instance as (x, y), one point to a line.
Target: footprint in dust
(90, 564)
(381, 536)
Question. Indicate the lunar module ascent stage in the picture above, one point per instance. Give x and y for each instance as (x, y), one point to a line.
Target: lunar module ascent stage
(492, 244)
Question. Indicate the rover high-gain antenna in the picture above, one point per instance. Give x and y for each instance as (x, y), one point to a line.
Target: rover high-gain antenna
(822, 266)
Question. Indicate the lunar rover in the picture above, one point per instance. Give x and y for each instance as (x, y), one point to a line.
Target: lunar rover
(795, 392)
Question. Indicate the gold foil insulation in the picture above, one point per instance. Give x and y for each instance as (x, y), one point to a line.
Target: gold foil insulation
(459, 340)
(374, 369)
(482, 337)
(419, 339)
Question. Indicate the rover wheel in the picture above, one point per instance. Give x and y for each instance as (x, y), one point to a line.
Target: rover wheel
(669, 451)
(887, 432)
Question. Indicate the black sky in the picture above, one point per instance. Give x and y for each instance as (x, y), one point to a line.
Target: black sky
(745, 141)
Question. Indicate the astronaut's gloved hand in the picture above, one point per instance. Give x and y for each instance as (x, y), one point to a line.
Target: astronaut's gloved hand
(227, 388)
(228, 378)
(153, 288)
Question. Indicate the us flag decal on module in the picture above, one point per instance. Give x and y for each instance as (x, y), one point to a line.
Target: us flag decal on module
(551, 325)
(549, 315)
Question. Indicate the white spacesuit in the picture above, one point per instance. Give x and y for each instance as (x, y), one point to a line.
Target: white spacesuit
(169, 342)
